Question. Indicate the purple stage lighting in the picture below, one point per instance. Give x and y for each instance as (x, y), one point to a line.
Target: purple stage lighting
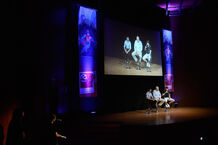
(87, 40)
(168, 56)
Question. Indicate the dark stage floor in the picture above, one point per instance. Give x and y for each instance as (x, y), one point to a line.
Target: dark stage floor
(191, 126)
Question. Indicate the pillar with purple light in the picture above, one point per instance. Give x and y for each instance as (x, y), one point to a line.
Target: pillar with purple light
(87, 40)
(168, 56)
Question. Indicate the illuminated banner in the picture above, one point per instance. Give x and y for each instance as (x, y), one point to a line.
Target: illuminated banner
(87, 34)
(168, 56)
(87, 83)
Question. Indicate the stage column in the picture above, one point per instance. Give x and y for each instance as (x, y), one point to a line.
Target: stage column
(168, 57)
(87, 42)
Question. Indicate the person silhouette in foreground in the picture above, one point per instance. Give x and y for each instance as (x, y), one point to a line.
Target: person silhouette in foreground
(16, 133)
(53, 135)
(1, 135)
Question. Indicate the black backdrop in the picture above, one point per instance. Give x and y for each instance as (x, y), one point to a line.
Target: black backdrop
(125, 93)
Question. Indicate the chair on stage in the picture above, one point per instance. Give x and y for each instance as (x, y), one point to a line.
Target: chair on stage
(150, 105)
(173, 105)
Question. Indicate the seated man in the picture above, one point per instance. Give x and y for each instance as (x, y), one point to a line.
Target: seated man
(137, 52)
(127, 49)
(157, 97)
(150, 100)
(167, 97)
(147, 56)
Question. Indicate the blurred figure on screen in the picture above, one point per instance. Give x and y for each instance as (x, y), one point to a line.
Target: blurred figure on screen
(86, 42)
(168, 54)
(147, 56)
(127, 47)
(137, 50)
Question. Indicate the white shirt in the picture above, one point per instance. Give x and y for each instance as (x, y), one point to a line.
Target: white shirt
(138, 46)
(156, 94)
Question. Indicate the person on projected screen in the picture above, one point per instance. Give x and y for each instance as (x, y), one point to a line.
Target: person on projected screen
(147, 56)
(157, 97)
(168, 54)
(137, 51)
(166, 95)
(127, 48)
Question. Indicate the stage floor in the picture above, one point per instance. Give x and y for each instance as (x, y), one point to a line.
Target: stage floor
(116, 66)
(175, 115)
(178, 126)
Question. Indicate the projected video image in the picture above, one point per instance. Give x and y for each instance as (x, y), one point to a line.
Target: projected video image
(130, 50)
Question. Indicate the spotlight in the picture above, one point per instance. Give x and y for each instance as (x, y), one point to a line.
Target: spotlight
(201, 138)
(93, 112)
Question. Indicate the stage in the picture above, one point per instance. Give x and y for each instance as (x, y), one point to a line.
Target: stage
(174, 115)
(116, 66)
(178, 126)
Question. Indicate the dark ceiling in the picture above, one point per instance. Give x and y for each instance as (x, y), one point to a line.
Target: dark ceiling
(173, 6)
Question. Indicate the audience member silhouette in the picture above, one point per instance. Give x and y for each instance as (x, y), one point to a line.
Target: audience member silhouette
(52, 134)
(1, 135)
(16, 134)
